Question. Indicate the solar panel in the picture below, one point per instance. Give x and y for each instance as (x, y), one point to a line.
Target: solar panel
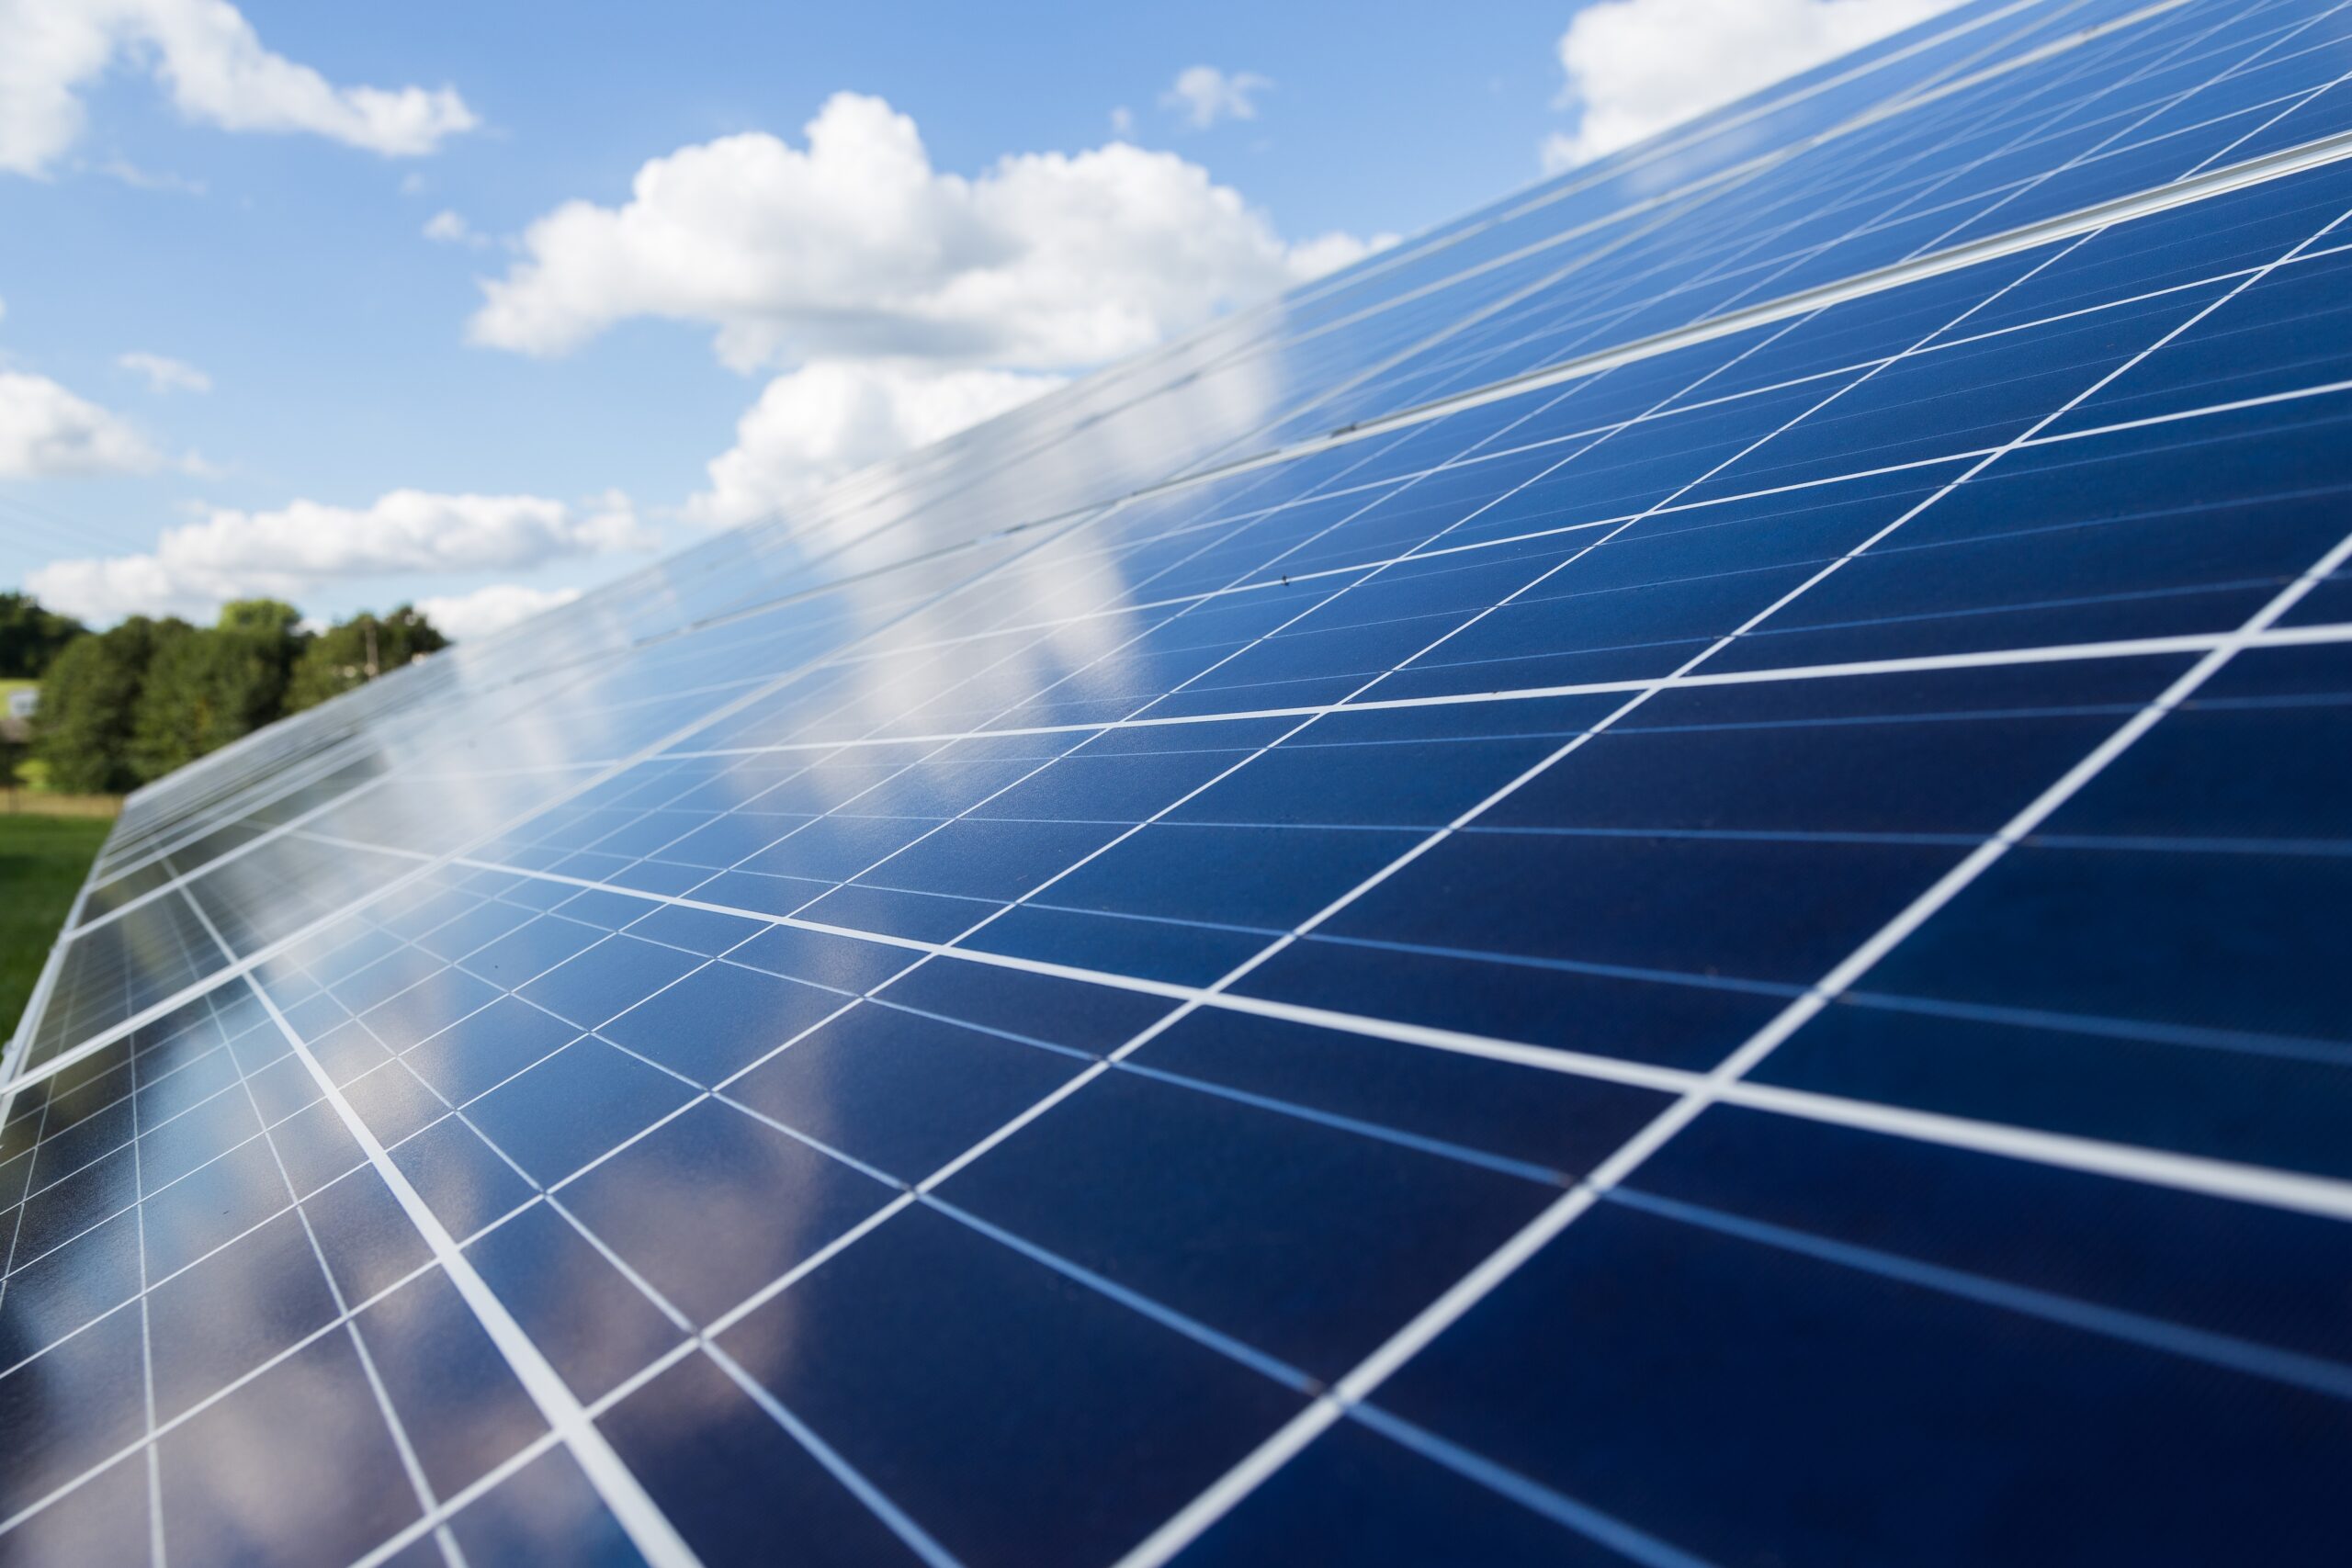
(1659, 879)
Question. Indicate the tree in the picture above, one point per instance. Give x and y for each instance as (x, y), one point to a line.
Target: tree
(209, 687)
(268, 618)
(90, 698)
(123, 706)
(350, 655)
(203, 690)
(31, 637)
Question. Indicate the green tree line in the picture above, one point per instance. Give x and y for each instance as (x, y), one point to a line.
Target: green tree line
(30, 635)
(129, 703)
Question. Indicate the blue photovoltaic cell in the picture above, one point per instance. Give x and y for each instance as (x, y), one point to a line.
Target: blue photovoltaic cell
(1656, 880)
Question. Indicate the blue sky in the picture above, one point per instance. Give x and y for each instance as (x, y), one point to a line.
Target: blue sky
(224, 196)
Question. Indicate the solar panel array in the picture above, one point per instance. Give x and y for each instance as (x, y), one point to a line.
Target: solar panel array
(1660, 879)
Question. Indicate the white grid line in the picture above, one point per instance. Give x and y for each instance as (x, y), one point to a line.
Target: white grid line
(648, 1528)
(1218, 1499)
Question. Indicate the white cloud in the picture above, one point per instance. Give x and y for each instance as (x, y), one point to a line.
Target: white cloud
(208, 57)
(900, 303)
(163, 180)
(47, 432)
(165, 375)
(822, 421)
(463, 618)
(231, 554)
(855, 247)
(1204, 94)
(1636, 67)
(450, 227)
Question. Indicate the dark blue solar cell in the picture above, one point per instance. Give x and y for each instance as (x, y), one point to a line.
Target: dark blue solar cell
(457, 1399)
(915, 917)
(1753, 908)
(13, 1174)
(1231, 1213)
(68, 1287)
(486, 1048)
(387, 976)
(1916, 775)
(1090, 1018)
(572, 1107)
(530, 949)
(830, 849)
(999, 859)
(369, 1243)
(2216, 1094)
(2165, 1264)
(841, 963)
(102, 1520)
(199, 1212)
(737, 1487)
(926, 1331)
(75, 1145)
(757, 892)
(2187, 778)
(1399, 785)
(393, 1102)
(283, 1088)
(1098, 785)
(234, 1309)
(544, 1516)
(608, 978)
(72, 1408)
(766, 1201)
(1986, 392)
(460, 1177)
(346, 1051)
(696, 931)
(901, 1091)
(594, 1327)
(2103, 933)
(721, 1019)
(1354, 1496)
(315, 1146)
(1620, 1368)
(1187, 873)
(1549, 1125)
(310, 1424)
(1147, 949)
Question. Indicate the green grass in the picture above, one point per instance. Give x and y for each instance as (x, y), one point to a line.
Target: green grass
(42, 862)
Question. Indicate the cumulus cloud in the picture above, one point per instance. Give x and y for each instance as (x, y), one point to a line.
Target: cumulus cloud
(1204, 94)
(1636, 67)
(208, 57)
(165, 375)
(899, 303)
(231, 554)
(47, 432)
(822, 421)
(163, 180)
(463, 618)
(855, 247)
(449, 228)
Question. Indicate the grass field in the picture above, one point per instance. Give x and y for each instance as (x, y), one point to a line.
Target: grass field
(42, 860)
